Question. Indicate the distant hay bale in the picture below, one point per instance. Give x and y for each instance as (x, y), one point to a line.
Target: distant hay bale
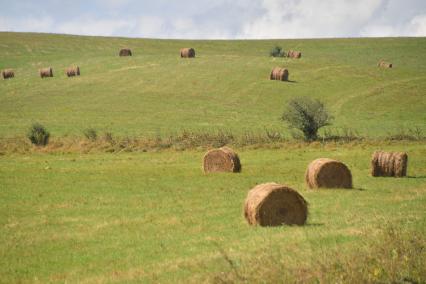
(294, 54)
(73, 71)
(384, 64)
(221, 160)
(187, 52)
(8, 73)
(272, 204)
(389, 164)
(46, 72)
(125, 52)
(280, 74)
(328, 173)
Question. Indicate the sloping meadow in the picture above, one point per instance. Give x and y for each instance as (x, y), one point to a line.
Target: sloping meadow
(119, 193)
(155, 92)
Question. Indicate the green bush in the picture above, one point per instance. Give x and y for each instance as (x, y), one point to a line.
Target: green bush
(277, 51)
(38, 135)
(307, 115)
(91, 134)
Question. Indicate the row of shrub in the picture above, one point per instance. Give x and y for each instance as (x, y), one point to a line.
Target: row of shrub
(187, 139)
(304, 114)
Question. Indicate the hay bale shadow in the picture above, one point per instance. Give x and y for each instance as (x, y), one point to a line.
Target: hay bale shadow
(358, 188)
(419, 177)
(315, 224)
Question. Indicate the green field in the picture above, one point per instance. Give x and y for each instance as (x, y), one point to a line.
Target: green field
(155, 92)
(156, 216)
(153, 216)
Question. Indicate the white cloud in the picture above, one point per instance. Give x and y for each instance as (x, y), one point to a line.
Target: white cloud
(30, 24)
(81, 26)
(179, 27)
(150, 26)
(187, 28)
(378, 30)
(221, 19)
(310, 18)
(184, 24)
(87, 26)
(417, 26)
(113, 3)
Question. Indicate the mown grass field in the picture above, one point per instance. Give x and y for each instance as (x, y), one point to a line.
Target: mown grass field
(132, 216)
(157, 217)
(155, 92)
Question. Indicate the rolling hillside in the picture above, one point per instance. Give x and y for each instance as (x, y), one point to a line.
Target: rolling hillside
(226, 86)
(151, 215)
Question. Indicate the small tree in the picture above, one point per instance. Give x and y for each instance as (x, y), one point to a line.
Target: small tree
(277, 51)
(307, 115)
(38, 135)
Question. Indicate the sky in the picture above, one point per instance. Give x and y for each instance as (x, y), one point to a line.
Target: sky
(217, 19)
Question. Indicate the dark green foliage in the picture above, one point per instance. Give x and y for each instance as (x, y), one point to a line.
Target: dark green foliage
(307, 115)
(38, 135)
(277, 51)
(90, 133)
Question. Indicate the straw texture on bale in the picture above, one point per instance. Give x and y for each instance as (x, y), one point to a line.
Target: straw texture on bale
(294, 54)
(46, 72)
(280, 74)
(125, 52)
(73, 71)
(384, 64)
(328, 173)
(187, 52)
(389, 164)
(7, 73)
(272, 204)
(221, 160)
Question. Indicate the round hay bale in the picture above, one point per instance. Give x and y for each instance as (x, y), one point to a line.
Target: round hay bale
(294, 54)
(221, 160)
(46, 72)
(328, 173)
(280, 74)
(187, 52)
(272, 204)
(384, 64)
(73, 71)
(389, 164)
(125, 52)
(7, 73)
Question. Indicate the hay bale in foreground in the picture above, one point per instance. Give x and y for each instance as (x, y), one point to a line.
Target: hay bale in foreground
(187, 52)
(7, 73)
(328, 173)
(384, 64)
(46, 72)
(125, 52)
(280, 74)
(389, 164)
(73, 71)
(221, 160)
(294, 54)
(272, 204)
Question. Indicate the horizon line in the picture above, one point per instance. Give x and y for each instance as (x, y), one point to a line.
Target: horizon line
(211, 39)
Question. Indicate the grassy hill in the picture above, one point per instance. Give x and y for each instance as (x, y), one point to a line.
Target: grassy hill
(155, 92)
(80, 216)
